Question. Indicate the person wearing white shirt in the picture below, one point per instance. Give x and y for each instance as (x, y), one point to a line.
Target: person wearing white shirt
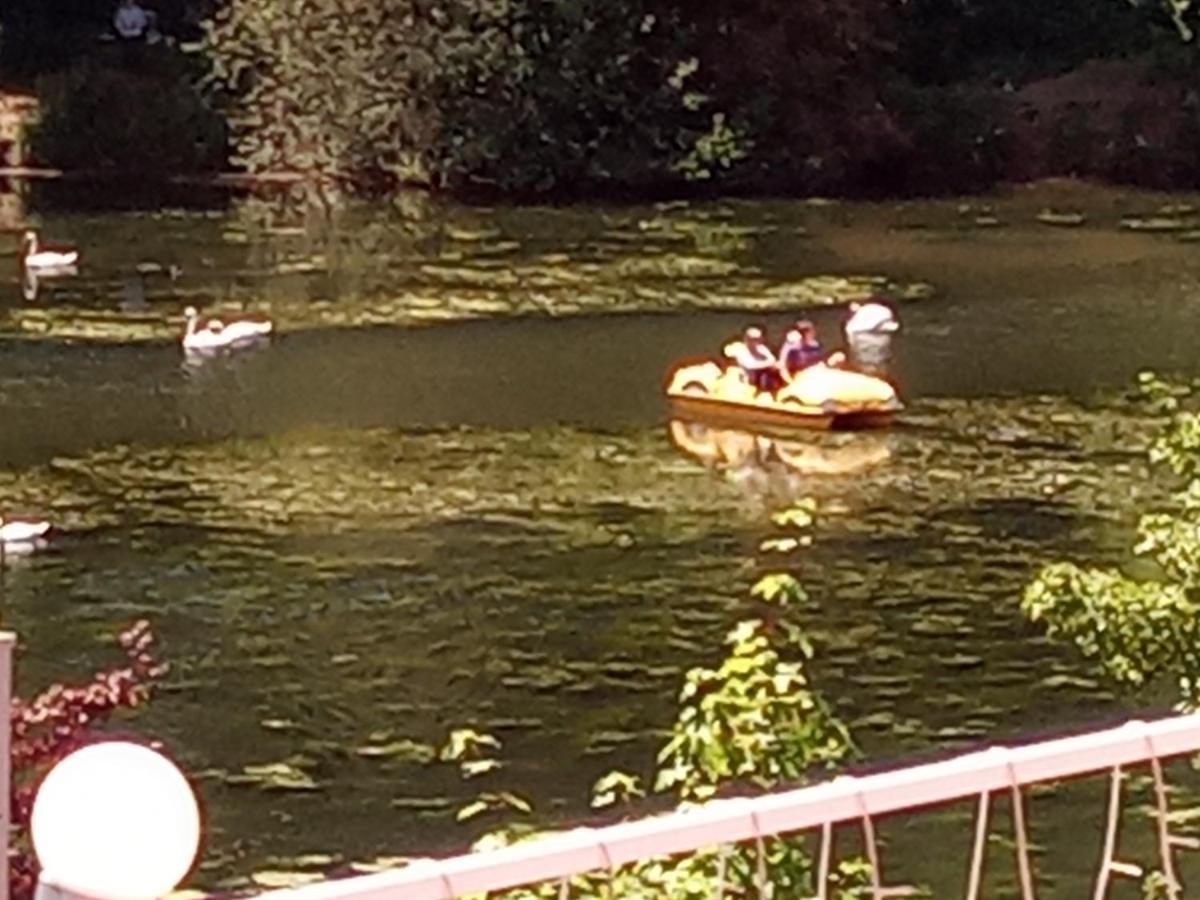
(757, 361)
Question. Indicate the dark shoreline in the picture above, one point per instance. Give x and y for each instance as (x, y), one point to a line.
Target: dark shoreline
(112, 191)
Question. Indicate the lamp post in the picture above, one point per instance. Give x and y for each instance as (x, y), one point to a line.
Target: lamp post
(114, 820)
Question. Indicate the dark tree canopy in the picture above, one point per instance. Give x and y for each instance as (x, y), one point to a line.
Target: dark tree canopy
(573, 97)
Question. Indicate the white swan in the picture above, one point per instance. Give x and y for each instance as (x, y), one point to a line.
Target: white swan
(871, 318)
(45, 260)
(18, 536)
(214, 333)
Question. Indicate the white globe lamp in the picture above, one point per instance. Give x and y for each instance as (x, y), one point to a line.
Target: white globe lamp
(114, 821)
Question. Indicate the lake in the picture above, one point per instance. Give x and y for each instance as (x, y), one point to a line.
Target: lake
(450, 494)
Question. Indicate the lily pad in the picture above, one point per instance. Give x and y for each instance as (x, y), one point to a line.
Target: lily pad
(428, 804)
(1061, 219)
(1156, 224)
(472, 235)
(279, 776)
(381, 864)
(961, 661)
(1064, 680)
(273, 880)
(304, 861)
(404, 750)
(278, 724)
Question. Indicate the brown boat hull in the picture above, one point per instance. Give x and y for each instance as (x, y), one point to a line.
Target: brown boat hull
(730, 412)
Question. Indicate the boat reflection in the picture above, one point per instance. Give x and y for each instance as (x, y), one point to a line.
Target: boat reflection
(779, 464)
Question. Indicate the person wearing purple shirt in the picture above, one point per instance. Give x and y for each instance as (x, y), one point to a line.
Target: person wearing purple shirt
(800, 349)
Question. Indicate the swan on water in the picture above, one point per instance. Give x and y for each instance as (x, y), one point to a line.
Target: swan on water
(46, 259)
(871, 317)
(18, 536)
(218, 333)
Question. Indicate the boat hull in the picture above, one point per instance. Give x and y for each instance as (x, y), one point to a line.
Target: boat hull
(730, 412)
(818, 397)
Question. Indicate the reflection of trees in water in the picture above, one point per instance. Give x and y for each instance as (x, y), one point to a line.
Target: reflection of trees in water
(12, 205)
(307, 227)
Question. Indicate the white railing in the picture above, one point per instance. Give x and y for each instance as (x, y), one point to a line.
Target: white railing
(843, 799)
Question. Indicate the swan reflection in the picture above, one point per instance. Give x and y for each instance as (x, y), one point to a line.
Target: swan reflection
(33, 278)
(29, 284)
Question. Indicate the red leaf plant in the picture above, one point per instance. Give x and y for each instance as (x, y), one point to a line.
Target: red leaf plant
(58, 720)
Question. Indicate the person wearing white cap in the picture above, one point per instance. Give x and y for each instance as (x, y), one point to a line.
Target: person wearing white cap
(756, 360)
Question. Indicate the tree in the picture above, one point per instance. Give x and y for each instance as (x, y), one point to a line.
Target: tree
(519, 95)
(1178, 10)
(1138, 629)
(804, 80)
(336, 88)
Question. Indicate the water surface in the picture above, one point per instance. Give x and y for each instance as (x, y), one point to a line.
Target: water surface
(456, 499)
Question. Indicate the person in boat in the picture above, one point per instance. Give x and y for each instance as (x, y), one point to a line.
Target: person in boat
(131, 22)
(800, 349)
(756, 360)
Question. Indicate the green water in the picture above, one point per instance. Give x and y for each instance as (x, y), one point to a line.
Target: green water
(444, 497)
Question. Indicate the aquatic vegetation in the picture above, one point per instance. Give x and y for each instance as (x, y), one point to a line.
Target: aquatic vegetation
(1064, 219)
(754, 720)
(1135, 628)
(330, 593)
(383, 266)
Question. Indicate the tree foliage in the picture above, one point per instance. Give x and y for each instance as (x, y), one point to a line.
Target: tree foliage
(335, 86)
(146, 121)
(513, 94)
(1179, 12)
(1136, 629)
(754, 719)
(523, 97)
(573, 97)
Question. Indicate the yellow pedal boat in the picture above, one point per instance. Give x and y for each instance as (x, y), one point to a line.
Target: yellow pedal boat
(820, 396)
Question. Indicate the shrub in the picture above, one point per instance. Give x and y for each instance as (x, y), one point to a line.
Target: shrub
(957, 138)
(137, 121)
(1137, 630)
(58, 720)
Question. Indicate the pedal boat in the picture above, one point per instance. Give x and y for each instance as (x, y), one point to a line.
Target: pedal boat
(821, 396)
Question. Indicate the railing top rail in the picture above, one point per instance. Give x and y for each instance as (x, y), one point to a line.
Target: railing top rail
(844, 798)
